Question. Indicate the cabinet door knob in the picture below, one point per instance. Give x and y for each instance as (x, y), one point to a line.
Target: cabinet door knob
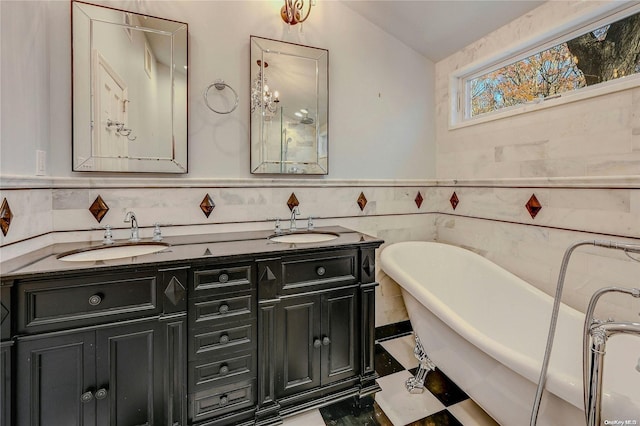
(86, 397)
(223, 278)
(224, 370)
(320, 270)
(317, 343)
(101, 393)
(95, 300)
(224, 400)
(224, 339)
(326, 340)
(223, 309)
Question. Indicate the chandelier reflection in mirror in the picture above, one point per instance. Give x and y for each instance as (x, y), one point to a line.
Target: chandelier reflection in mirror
(261, 96)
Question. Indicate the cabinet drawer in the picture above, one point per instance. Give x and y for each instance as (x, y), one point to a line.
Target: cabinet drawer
(233, 337)
(221, 279)
(207, 374)
(301, 273)
(218, 401)
(51, 305)
(212, 310)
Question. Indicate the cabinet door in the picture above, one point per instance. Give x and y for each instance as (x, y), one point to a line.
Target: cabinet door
(339, 335)
(55, 380)
(129, 365)
(5, 384)
(298, 345)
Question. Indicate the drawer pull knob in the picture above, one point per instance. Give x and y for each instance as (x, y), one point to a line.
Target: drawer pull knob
(86, 397)
(224, 339)
(223, 309)
(224, 400)
(101, 393)
(224, 370)
(321, 271)
(95, 300)
(325, 341)
(317, 343)
(223, 278)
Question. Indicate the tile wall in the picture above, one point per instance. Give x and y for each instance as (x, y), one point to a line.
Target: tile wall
(490, 218)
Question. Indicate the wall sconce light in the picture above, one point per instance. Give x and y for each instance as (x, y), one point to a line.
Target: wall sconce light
(296, 11)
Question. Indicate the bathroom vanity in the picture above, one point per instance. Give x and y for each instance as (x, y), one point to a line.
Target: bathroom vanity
(217, 329)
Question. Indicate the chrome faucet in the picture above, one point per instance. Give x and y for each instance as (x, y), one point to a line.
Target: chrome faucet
(131, 217)
(294, 212)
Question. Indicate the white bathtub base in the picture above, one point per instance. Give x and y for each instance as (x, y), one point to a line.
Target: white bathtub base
(503, 394)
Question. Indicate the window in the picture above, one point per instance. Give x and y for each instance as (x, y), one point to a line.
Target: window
(605, 51)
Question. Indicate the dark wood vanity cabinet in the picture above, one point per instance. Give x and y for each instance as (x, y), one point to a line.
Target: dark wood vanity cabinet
(316, 330)
(223, 340)
(104, 348)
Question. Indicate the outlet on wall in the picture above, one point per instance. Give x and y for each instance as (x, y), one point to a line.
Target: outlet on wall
(41, 162)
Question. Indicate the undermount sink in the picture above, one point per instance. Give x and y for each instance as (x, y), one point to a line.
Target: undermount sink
(304, 237)
(110, 252)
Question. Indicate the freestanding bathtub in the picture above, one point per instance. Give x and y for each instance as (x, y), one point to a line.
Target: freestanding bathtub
(487, 329)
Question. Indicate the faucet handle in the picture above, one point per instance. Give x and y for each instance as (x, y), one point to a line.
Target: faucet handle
(310, 225)
(157, 233)
(277, 228)
(108, 235)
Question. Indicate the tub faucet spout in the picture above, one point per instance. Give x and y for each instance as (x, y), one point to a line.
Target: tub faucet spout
(131, 217)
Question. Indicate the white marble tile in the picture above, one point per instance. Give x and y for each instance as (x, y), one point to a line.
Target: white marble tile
(402, 407)
(308, 418)
(401, 349)
(469, 414)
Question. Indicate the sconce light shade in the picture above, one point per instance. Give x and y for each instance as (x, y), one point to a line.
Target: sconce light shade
(295, 11)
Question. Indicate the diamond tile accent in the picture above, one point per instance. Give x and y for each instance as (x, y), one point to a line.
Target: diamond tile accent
(175, 291)
(362, 201)
(5, 217)
(99, 208)
(292, 201)
(4, 313)
(419, 199)
(367, 266)
(454, 201)
(207, 205)
(533, 206)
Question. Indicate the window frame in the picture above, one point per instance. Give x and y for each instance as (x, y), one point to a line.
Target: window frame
(459, 89)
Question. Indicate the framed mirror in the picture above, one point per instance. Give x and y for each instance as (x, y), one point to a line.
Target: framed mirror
(289, 108)
(129, 91)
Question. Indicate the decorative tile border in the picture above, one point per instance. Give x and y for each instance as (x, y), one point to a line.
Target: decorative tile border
(454, 200)
(207, 205)
(362, 201)
(533, 206)
(292, 201)
(5, 217)
(419, 199)
(99, 208)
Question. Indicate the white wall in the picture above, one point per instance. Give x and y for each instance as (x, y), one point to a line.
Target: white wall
(580, 159)
(381, 91)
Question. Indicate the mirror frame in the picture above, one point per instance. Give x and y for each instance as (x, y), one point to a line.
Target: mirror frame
(263, 50)
(174, 155)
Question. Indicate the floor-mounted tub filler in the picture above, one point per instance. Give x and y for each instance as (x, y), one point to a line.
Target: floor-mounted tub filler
(487, 329)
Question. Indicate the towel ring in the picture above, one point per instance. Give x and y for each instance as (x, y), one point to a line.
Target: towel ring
(220, 85)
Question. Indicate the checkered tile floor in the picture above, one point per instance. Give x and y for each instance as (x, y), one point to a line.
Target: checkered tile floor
(444, 404)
